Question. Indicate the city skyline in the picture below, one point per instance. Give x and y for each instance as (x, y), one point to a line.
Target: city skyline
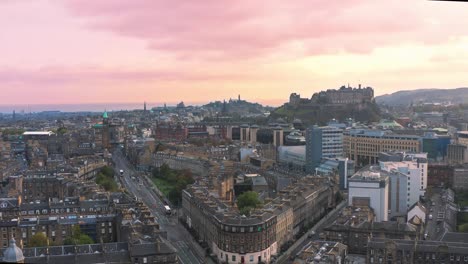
(70, 52)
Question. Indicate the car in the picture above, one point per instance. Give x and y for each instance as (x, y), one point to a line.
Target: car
(430, 217)
(311, 234)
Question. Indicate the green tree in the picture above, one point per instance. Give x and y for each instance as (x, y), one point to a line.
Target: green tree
(164, 170)
(38, 240)
(247, 201)
(78, 238)
(62, 130)
(108, 171)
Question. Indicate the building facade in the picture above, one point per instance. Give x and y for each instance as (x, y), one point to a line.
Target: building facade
(322, 142)
(368, 188)
(364, 146)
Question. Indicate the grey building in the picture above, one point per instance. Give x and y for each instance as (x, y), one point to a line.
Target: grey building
(322, 142)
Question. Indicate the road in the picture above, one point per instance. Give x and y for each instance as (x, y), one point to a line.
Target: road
(438, 226)
(188, 251)
(318, 228)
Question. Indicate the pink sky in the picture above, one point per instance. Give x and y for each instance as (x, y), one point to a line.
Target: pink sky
(70, 51)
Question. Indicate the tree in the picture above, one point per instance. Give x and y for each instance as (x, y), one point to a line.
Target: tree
(62, 130)
(247, 201)
(108, 171)
(38, 240)
(78, 238)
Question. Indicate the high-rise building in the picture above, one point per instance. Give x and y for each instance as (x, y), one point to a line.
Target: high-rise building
(322, 142)
(369, 188)
(414, 167)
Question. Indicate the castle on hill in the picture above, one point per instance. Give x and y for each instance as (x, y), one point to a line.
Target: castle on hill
(342, 96)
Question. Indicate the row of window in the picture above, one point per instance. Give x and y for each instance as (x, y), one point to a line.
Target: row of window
(63, 210)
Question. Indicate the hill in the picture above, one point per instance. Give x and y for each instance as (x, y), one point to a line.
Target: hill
(322, 113)
(456, 96)
(239, 107)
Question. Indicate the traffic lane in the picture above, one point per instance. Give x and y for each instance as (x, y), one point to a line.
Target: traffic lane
(175, 232)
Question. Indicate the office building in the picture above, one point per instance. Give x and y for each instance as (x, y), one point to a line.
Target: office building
(343, 166)
(363, 146)
(322, 142)
(414, 168)
(293, 156)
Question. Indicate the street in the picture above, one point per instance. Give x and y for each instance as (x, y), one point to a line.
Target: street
(318, 228)
(179, 237)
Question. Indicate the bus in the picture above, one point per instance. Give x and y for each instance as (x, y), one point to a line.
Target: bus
(168, 209)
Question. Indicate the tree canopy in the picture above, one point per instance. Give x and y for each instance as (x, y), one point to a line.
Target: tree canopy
(38, 240)
(78, 238)
(247, 201)
(105, 178)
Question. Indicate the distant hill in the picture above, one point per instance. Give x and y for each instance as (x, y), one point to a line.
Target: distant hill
(456, 96)
(240, 107)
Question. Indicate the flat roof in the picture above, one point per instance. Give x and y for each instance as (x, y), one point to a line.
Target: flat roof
(38, 133)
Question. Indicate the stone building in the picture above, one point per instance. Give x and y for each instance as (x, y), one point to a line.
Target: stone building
(381, 250)
(235, 238)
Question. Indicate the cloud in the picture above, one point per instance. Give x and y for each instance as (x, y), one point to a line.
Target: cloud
(61, 75)
(246, 29)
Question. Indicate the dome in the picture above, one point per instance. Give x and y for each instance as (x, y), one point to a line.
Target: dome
(13, 254)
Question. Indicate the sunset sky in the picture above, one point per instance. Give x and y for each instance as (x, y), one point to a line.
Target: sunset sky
(67, 51)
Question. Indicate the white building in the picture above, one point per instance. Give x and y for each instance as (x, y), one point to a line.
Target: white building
(414, 166)
(417, 210)
(371, 189)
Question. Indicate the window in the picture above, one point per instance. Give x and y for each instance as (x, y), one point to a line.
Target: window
(233, 257)
(251, 258)
(110, 230)
(103, 231)
(53, 233)
(145, 260)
